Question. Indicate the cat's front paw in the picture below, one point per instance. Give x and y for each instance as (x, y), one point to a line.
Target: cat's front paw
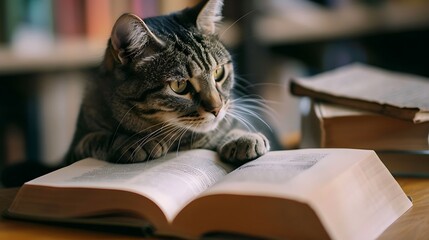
(136, 150)
(244, 148)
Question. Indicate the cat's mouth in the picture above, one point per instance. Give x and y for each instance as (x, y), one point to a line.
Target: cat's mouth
(202, 121)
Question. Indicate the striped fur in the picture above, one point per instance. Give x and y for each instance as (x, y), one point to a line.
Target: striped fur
(133, 112)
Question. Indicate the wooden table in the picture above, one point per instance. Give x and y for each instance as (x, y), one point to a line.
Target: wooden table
(414, 224)
(23, 230)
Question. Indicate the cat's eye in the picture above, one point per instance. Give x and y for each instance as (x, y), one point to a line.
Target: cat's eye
(219, 73)
(179, 87)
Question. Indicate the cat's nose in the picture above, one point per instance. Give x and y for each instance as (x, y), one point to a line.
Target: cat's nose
(212, 109)
(215, 111)
(211, 102)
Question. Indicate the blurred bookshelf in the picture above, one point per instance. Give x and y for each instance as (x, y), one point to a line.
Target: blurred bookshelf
(48, 50)
(356, 26)
(310, 22)
(59, 56)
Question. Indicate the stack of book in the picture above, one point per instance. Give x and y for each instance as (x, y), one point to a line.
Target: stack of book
(360, 106)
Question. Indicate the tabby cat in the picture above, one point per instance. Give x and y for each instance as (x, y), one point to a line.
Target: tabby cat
(164, 85)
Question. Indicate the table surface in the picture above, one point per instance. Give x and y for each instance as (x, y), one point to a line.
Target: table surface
(414, 224)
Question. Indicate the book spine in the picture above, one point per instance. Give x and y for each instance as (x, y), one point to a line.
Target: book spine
(40, 15)
(32, 129)
(145, 8)
(3, 22)
(14, 17)
(69, 18)
(98, 19)
(12, 125)
(14, 142)
(119, 7)
(168, 6)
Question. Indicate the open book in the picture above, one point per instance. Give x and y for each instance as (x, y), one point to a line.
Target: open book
(369, 88)
(312, 193)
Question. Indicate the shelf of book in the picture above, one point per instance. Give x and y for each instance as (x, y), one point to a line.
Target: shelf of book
(61, 55)
(314, 23)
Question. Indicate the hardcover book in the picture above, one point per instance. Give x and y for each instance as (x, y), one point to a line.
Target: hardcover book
(402, 145)
(306, 194)
(369, 88)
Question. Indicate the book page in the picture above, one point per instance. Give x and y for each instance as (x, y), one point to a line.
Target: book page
(327, 110)
(170, 181)
(358, 81)
(349, 193)
(290, 173)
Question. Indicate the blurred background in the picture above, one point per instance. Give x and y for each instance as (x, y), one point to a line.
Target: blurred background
(49, 48)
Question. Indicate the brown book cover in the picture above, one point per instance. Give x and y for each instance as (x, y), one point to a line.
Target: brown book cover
(369, 88)
(99, 19)
(69, 18)
(402, 145)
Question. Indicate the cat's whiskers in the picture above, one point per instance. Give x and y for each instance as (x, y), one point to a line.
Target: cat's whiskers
(262, 106)
(250, 106)
(236, 21)
(172, 138)
(119, 125)
(243, 86)
(243, 111)
(179, 139)
(240, 90)
(191, 143)
(246, 123)
(141, 131)
(172, 132)
(178, 135)
(140, 143)
(228, 120)
(152, 136)
(257, 105)
(146, 138)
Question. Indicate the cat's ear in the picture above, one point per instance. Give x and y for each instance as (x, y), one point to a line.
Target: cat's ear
(209, 14)
(131, 35)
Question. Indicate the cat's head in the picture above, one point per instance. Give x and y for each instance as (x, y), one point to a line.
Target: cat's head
(170, 69)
